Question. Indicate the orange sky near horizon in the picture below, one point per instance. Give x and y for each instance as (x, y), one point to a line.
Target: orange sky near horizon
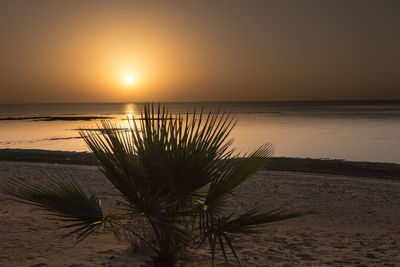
(82, 51)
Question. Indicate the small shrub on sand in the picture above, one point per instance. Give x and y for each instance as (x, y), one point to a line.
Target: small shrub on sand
(174, 172)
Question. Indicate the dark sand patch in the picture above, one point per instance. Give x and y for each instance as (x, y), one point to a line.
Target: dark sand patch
(56, 118)
(307, 165)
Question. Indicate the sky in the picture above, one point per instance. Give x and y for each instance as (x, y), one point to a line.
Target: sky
(123, 51)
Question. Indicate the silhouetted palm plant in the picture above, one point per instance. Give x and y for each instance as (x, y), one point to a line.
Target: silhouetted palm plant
(176, 171)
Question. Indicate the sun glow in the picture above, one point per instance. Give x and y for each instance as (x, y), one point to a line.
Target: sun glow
(129, 79)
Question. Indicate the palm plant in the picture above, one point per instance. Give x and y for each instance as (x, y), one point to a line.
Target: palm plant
(176, 171)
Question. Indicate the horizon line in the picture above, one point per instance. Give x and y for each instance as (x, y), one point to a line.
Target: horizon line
(213, 101)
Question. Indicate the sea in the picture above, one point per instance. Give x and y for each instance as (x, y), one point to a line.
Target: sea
(348, 130)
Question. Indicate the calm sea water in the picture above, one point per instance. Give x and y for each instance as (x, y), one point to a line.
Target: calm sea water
(361, 131)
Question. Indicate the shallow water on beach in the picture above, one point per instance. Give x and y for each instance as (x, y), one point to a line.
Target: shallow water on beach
(361, 131)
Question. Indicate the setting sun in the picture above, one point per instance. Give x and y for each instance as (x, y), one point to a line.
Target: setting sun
(129, 79)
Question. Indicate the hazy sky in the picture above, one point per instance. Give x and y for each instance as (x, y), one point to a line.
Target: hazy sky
(83, 51)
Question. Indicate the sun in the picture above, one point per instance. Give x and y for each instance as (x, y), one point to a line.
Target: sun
(129, 79)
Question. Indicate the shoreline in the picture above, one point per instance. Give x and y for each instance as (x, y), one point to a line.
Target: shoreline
(305, 165)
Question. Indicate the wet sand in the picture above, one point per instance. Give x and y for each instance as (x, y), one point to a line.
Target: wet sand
(357, 223)
(307, 165)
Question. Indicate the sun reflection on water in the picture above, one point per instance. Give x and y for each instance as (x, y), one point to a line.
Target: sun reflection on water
(131, 113)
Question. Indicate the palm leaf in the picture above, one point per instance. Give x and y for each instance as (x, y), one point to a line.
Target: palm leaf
(63, 198)
(233, 172)
(252, 221)
(218, 228)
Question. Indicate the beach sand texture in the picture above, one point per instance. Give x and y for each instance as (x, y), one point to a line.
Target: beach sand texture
(357, 223)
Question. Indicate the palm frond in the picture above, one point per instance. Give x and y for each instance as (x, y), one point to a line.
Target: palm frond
(234, 172)
(63, 198)
(253, 221)
(219, 227)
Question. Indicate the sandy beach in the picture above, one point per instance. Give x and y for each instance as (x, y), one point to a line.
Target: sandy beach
(357, 223)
